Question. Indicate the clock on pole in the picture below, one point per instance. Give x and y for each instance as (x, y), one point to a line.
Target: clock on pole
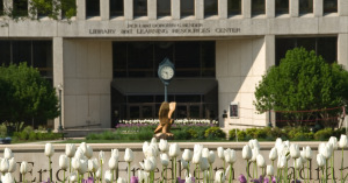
(166, 72)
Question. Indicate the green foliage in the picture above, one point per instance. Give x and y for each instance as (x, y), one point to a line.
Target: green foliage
(25, 95)
(214, 133)
(323, 134)
(303, 81)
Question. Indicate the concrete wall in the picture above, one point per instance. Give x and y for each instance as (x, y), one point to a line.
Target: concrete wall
(87, 78)
(240, 65)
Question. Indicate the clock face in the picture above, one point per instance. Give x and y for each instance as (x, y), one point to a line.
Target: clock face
(167, 73)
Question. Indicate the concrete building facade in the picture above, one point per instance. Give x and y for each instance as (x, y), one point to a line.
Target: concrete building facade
(245, 46)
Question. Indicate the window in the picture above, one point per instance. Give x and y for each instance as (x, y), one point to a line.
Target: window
(234, 112)
(68, 8)
(93, 8)
(141, 59)
(306, 6)
(324, 46)
(140, 8)
(210, 8)
(45, 11)
(163, 8)
(330, 6)
(1, 7)
(282, 7)
(20, 7)
(258, 7)
(234, 7)
(187, 8)
(116, 8)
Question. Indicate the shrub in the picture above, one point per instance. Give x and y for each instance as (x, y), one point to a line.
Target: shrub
(214, 133)
(323, 134)
(299, 136)
(232, 134)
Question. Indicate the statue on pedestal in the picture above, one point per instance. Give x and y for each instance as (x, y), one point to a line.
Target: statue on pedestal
(165, 117)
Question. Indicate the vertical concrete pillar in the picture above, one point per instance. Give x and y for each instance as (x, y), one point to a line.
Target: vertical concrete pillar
(152, 9)
(199, 9)
(318, 7)
(343, 7)
(246, 8)
(105, 9)
(175, 8)
(269, 42)
(222, 9)
(294, 8)
(343, 50)
(58, 74)
(128, 10)
(270, 8)
(81, 9)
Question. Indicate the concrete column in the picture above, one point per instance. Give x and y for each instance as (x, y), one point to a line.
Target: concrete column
(128, 10)
(29, 7)
(58, 73)
(343, 50)
(222, 9)
(246, 8)
(318, 7)
(294, 8)
(343, 7)
(152, 9)
(81, 9)
(175, 7)
(270, 8)
(105, 9)
(270, 50)
(199, 9)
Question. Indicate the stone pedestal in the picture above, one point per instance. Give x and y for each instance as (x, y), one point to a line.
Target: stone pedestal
(164, 136)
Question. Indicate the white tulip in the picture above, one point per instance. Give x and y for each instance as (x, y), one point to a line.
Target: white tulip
(294, 151)
(204, 164)
(326, 149)
(83, 147)
(154, 142)
(75, 163)
(308, 153)
(24, 168)
(286, 152)
(230, 156)
(63, 162)
(83, 167)
(98, 173)
(113, 162)
(278, 142)
(321, 160)
(246, 153)
(220, 153)
(49, 150)
(273, 154)
(73, 177)
(260, 161)
(184, 164)
(102, 155)
(7, 178)
(253, 143)
(187, 155)
(280, 149)
(197, 148)
(205, 152)
(163, 146)
(197, 158)
(148, 165)
(121, 180)
(93, 165)
(286, 143)
(333, 141)
(164, 160)
(79, 154)
(298, 163)
(12, 165)
(281, 162)
(128, 155)
(189, 179)
(108, 176)
(270, 170)
(4, 165)
(174, 150)
(146, 144)
(8, 153)
(255, 153)
(70, 150)
(211, 157)
(343, 141)
(89, 152)
(150, 151)
(142, 176)
(220, 176)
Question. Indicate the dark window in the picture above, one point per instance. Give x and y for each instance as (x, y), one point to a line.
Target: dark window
(187, 8)
(140, 8)
(5, 52)
(210, 7)
(42, 57)
(234, 7)
(282, 7)
(330, 6)
(22, 52)
(20, 7)
(1, 7)
(116, 8)
(92, 8)
(306, 6)
(324, 46)
(45, 11)
(68, 8)
(258, 7)
(141, 59)
(163, 8)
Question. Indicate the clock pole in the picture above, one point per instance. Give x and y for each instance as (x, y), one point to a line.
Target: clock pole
(165, 92)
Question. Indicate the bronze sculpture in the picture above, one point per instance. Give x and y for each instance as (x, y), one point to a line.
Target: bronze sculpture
(165, 117)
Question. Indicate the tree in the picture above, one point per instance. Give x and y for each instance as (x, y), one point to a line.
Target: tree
(303, 81)
(26, 95)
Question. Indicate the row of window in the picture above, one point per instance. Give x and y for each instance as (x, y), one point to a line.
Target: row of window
(187, 7)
